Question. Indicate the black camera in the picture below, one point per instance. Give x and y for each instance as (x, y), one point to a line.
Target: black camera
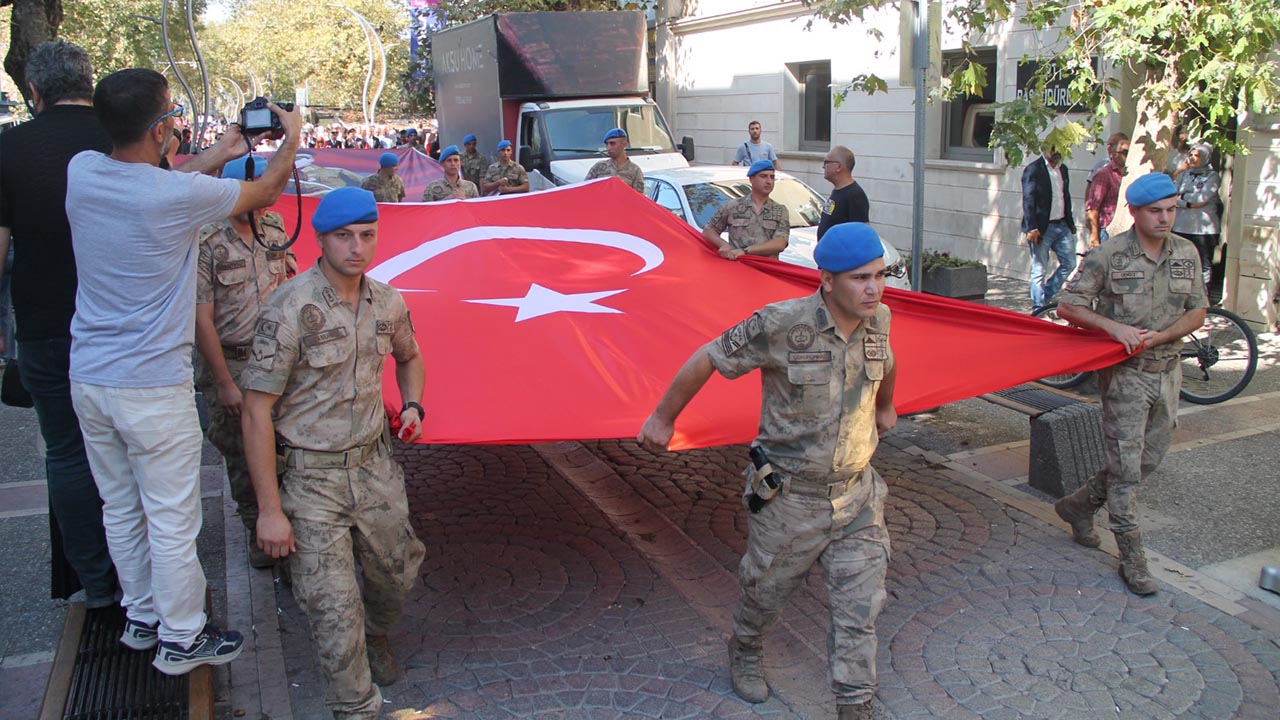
(256, 117)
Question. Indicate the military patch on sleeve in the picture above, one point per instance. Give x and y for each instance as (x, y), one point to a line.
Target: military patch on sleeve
(737, 337)
(266, 328)
(263, 352)
(800, 337)
(1182, 268)
(311, 317)
(1120, 261)
(385, 327)
(876, 347)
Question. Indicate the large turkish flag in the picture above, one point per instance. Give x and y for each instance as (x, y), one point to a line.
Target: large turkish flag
(564, 315)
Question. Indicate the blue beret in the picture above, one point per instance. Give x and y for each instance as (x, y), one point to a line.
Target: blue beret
(448, 152)
(410, 131)
(468, 138)
(235, 168)
(847, 246)
(387, 160)
(615, 133)
(504, 144)
(758, 166)
(1150, 188)
(344, 206)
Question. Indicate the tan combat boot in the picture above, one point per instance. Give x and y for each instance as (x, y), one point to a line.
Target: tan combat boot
(1078, 510)
(746, 669)
(382, 662)
(1133, 564)
(861, 711)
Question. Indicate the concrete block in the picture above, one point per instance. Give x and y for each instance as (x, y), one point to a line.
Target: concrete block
(1066, 448)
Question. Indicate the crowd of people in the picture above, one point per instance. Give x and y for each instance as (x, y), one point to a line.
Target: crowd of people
(124, 271)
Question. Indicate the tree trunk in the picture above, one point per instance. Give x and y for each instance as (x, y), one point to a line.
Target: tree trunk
(33, 22)
(1152, 137)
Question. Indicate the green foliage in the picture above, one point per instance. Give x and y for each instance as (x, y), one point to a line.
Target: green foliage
(117, 35)
(1205, 62)
(931, 260)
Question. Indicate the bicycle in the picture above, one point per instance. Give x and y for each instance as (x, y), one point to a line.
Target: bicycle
(1218, 360)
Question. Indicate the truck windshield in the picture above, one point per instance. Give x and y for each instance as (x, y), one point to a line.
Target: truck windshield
(579, 132)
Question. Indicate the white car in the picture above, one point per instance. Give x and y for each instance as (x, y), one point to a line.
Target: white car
(694, 194)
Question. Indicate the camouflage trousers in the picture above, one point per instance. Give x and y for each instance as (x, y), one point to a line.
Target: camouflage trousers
(848, 536)
(1139, 413)
(224, 434)
(341, 517)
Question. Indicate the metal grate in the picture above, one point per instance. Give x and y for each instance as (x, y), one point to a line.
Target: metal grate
(1038, 397)
(112, 682)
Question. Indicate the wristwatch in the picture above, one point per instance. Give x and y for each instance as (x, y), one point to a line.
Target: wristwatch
(422, 415)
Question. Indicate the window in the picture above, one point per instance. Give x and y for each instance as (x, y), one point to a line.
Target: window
(662, 193)
(813, 80)
(967, 120)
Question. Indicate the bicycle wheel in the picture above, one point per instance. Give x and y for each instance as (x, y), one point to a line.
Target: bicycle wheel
(1066, 380)
(1219, 359)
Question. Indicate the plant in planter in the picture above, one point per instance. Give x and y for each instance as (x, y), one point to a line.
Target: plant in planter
(950, 276)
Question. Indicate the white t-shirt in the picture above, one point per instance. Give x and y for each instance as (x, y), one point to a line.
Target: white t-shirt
(134, 230)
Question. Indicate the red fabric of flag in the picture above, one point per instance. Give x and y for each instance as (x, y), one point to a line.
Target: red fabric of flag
(564, 315)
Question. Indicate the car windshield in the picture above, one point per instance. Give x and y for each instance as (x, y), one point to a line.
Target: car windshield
(804, 206)
(579, 132)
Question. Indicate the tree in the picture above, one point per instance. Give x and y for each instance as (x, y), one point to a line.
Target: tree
(33, 22)
(1204, 63)
(121, 34)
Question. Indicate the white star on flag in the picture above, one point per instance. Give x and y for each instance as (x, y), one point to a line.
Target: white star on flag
(541, 301)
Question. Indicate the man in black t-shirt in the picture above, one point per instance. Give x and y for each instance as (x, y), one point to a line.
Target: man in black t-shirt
(33, 216)
(848, 203)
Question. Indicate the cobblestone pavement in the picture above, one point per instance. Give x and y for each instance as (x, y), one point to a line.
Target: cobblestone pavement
(596, 580)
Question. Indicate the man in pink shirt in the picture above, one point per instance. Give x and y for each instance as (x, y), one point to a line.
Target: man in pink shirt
(1104, 190)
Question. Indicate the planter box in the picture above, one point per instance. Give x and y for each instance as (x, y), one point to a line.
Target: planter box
(965, 283)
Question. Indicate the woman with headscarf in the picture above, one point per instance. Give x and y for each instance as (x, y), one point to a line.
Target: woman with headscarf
(1198, 205)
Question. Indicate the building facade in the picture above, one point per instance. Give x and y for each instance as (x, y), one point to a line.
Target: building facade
(723, 63)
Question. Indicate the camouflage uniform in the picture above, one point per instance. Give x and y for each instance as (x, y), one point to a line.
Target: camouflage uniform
(1140, 394)
(818, 427)
(473, 166)
(385, 190)
(442, 189)
(748, 227)
(341, 490)
(513, 172)
(630, 173)
(236, 276)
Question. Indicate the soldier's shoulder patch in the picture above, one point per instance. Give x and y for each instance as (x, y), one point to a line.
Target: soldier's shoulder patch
(311, 317)
(273, 220)
(1119, 261)
(1182, 268)
(266, 328)
(330, 296)
(220, 253)
(738, 336)
(207, 232)
(801, 336)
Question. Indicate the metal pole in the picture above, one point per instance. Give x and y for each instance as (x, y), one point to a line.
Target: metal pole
(163, 22)
(919, 63)
(204, 72)
(368, 76)
(382, 81)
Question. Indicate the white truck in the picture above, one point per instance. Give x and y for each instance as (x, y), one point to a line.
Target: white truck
(553, 83)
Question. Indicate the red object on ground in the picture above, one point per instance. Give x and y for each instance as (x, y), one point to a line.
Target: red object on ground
(564, 315)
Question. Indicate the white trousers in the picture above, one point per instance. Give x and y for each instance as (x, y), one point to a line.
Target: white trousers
(144, 448)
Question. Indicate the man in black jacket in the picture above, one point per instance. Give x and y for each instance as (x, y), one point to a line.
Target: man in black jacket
(1047, 224)
(33, 192)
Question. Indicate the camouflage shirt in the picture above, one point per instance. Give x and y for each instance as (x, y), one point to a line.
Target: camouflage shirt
(442, 189)
(385, 190)
(817, 409)
(325, 360)
(630, 173)
(473, 167)
(748, 227)
(513, 173)
(236, 276)
(1117, 280)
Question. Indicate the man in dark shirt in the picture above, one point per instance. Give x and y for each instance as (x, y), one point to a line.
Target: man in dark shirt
(33, 190)
(848, 203)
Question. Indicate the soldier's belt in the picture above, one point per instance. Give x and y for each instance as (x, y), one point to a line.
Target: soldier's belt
(235, 352)
(290, 458)
(1151, 365)
(830, 490)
